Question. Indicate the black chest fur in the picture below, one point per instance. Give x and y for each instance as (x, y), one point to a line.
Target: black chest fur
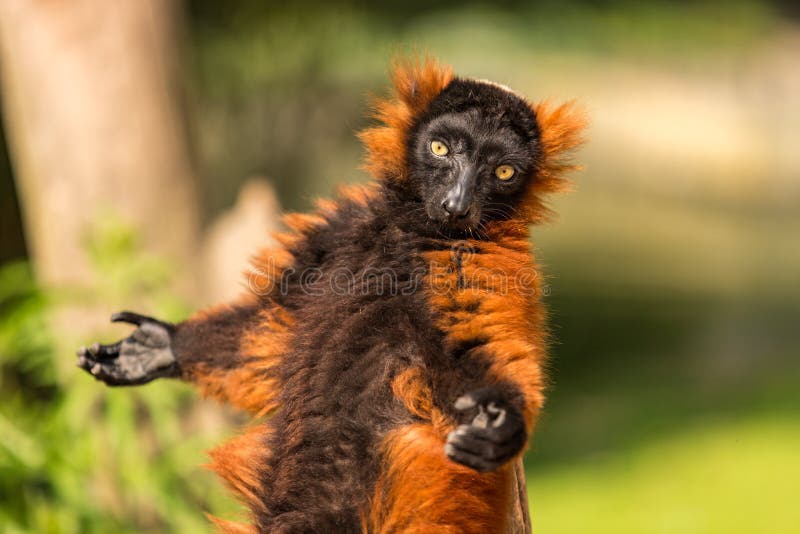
(356, 292)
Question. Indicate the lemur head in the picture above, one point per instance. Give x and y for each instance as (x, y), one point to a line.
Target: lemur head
(472, 152)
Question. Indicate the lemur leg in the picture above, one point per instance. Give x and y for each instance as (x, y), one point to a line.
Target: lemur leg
(227, 351)
(421, 490)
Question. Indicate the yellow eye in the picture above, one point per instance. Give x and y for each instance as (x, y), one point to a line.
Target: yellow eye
(504, 172)
(439, 148)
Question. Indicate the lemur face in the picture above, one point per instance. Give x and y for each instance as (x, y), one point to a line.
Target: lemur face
(473, 153)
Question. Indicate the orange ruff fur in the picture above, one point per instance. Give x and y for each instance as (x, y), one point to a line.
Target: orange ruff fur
(415, 86)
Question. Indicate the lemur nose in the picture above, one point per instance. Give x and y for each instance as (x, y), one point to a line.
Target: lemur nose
(455, 208)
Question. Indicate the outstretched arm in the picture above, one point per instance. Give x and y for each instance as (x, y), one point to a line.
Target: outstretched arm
(227, 351)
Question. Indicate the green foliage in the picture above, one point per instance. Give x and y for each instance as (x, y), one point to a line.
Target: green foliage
(76, 456)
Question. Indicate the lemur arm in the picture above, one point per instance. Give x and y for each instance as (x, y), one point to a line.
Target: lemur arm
(225, 351)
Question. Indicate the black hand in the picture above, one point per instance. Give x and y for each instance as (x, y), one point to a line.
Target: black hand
(494, 436)
(141, 357)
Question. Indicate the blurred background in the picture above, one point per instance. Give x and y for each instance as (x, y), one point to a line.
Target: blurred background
(148, 145)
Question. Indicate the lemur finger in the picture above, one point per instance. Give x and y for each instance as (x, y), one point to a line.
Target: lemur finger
(492, 434)
(465, 402)
(493, 460)
(120, 374)
(109, 373)
(488, 441)
(470, 460)
(469, 400)
(467, 443)
(106, 352)
(498, 417)
(96, 351)
(85, 360)
(138, 319)
(130, 318)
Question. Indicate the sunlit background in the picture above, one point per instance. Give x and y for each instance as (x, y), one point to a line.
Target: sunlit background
(147, 146)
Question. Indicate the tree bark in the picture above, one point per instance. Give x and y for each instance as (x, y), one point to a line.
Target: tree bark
(93, 116)
(519, 520)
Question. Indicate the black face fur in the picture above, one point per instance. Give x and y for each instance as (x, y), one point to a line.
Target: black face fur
(483, 127)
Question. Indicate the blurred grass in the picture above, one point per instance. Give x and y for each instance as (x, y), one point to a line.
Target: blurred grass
(718, 476)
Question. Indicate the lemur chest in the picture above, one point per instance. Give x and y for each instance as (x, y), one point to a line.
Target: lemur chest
(482, 292)
(372, 312)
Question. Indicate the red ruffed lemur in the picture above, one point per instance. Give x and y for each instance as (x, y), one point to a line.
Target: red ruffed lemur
(392, 347)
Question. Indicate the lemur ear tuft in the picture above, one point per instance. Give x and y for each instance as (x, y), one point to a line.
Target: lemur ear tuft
(416, 83)
(562, 130)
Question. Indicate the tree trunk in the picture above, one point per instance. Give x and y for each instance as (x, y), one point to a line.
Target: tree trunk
(92, 109)
(519, 520)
